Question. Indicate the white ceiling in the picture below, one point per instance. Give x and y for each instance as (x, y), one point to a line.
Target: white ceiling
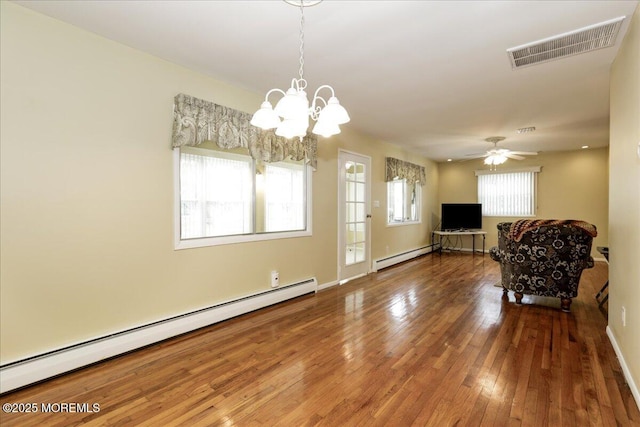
(432, 76)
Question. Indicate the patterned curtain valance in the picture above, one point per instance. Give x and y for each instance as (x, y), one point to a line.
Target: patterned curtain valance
(397, 168)
(196, 121)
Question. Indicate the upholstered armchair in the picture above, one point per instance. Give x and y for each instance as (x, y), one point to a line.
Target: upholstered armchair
(543, 257)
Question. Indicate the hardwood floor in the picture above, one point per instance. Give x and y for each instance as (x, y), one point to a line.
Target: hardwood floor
(427, 342)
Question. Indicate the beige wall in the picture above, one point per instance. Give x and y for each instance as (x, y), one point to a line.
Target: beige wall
(86, 238)
(571, 185)
(624, 208)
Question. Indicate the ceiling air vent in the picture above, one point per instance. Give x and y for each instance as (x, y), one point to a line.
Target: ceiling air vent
(574, 42)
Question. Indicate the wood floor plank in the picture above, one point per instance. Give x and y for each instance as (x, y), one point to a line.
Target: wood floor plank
(431, 341)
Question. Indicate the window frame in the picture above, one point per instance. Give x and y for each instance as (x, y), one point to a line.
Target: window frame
(534, 202)
(199, 242)
(418, 205)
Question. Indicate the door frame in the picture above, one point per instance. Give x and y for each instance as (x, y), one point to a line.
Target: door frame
(367, 263)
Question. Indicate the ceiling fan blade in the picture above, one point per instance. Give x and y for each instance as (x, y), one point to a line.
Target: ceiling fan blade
(476, 155)
(514, 156)
(525, 153)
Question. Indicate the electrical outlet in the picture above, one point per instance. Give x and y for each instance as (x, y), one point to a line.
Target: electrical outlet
(624, 317)
(275, 279)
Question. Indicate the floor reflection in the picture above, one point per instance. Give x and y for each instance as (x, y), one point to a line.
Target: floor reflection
(403, 304)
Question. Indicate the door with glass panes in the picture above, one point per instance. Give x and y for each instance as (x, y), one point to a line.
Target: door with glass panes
(354, 218)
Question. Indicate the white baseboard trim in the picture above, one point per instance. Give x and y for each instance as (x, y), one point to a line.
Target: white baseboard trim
(625, 369)
(40, 367)
(328, 285)
(398, 258)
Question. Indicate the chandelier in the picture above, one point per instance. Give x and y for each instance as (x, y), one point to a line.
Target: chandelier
(291, 115)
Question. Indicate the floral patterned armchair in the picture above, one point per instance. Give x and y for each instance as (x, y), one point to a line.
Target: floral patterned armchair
(544, 257)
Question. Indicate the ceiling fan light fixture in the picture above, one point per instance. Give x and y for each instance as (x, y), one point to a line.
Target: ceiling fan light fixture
(497, 156)
(495, 159)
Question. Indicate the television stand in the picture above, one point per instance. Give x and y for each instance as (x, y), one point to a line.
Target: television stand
(472, 233)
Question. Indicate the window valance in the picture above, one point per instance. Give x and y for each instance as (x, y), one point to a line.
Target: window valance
(399, 169)
(196, 121)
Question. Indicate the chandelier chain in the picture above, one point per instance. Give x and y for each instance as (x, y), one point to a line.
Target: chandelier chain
(301, 71)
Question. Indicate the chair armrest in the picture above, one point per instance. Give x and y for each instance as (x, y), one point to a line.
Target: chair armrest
(494, 253)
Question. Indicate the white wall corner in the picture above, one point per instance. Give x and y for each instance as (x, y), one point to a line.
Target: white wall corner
(625, 368)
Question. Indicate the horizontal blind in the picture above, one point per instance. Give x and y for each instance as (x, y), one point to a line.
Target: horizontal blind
(507, 194)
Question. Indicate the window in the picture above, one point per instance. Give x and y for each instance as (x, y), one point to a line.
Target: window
(224, 196)
(208, 209)
(403, 202)
(509, 193)
(284, 197)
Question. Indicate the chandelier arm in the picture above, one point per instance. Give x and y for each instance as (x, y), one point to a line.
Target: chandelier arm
(266, 97)
(315, 110)
(315, 95)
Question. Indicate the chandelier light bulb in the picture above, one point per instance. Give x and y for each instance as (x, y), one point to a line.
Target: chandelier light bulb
(293, 105)
(290, 128)
(335, 112)
(326, 128)
(265, 117)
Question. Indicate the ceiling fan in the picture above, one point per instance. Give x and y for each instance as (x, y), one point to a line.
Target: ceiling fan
(497, 156)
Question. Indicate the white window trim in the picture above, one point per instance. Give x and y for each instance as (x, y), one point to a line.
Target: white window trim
(503, 171)
(401, 224)
(179, 243)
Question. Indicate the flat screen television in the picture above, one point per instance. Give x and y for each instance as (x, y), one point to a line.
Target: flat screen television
(461, 216)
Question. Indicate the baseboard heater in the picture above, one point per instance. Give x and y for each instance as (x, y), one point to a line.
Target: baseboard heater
(40, 367)
(398, 258)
